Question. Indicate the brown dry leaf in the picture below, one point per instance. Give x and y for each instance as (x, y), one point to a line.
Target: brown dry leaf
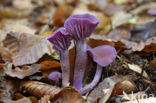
(111, 9)
(61, 14)
(127, 86)
(23, 100)
(119, 33)
(67, 95)
(39, 89)
(19, 9)
(23, 5)
(28, 48)
(107, 94)
(120, 18)
(106, 84)
(46, 65)
(21, 73)
(97, 40)
(44, 99)
(8, 88)
(143, 8)
(14, 27)
(5, 54)
(149, 45)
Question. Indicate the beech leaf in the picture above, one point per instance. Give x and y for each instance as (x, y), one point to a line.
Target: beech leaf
(20, 73)
(27, 48)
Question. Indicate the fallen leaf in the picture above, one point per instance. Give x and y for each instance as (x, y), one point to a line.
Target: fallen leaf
(107, 94)
(28, 48)
(39, 89)
(143, 8)
(20, 73)
(23, 100)
(44, 99)
(119, 33)
(5, 54)
(120, 18)
(6, 12)
(67, 95)
(61, 14)
(106, 84)
(46, 65)
(14, 27)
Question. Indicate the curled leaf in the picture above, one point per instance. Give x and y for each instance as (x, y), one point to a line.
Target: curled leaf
(21, 73)
(27, 48)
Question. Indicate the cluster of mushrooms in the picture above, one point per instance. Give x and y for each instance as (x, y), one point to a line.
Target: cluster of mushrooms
(77, 28)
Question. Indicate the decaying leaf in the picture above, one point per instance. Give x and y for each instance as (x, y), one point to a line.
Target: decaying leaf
(143, 8)
(39, 89)
(107, 94)
(106, 84)
(14, 27)
(21, 73)
(46, 65)
(120, 18)
(29, 48)
(44, 99)
(119, 33)
(61, 14)
(67, 95)
(5, 54)
(148, 45)
(23, 100)
(8, 87)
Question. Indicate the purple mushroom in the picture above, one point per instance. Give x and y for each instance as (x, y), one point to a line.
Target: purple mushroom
(55, 76)
(61, 43)
(103, 56)
(79, 27)
(152, 12)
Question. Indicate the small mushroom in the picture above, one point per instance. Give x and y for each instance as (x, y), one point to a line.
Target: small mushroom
(103, 56)
(55, 76)
(79, 27)
(61, 43)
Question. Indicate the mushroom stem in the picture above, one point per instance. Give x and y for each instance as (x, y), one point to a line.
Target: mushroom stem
(96, 79)
(65, 66)
(80, 63)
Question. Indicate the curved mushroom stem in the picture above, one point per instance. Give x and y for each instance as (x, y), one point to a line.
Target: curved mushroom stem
(96, 79)
(80, 63)
(65, 66)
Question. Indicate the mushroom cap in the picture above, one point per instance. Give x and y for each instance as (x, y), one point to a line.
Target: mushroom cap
(60, 39)
(103, 55)
(80, 26)
(152, 12)
(55, 76)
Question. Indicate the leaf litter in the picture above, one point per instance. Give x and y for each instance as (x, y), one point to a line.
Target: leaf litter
(25, 52)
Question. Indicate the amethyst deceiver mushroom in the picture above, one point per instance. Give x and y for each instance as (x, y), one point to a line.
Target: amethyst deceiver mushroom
(152, 12)
(55, 76)
(79, 27)
(61, 43)
(103, 56)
